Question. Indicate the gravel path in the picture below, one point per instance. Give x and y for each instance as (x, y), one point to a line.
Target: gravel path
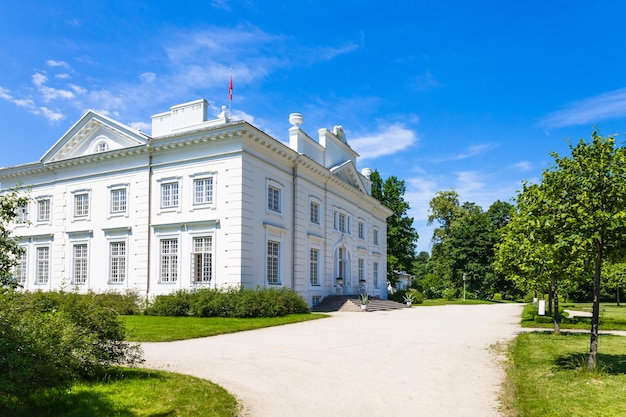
(430, 361)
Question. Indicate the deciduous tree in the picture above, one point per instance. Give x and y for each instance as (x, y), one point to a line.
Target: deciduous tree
(10, 251)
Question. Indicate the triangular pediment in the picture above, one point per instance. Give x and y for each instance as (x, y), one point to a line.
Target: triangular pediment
(347, 173)
(94, 133)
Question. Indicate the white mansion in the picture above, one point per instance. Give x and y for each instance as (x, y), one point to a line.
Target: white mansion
(200, 203)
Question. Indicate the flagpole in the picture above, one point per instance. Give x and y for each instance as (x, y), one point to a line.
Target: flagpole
(230, 93)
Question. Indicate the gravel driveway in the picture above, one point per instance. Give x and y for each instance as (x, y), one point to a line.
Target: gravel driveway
(424, 361)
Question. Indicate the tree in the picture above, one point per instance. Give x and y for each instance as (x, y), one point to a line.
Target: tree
(615, 275)
(463, 249)
(531, 251)
(584, 209)
(401, 236)
(10, 251)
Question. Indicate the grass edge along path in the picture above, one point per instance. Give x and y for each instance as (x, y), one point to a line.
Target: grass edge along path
(168, 329)
(547, 377)
(133, 392)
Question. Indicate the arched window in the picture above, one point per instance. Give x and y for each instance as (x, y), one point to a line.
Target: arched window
(102, 147)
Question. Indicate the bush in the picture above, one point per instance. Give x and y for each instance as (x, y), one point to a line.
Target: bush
(48, 340)
(233, 302)
(497, 296)
(417, 296)
(449, 294)
(175, 304)
(397, 296)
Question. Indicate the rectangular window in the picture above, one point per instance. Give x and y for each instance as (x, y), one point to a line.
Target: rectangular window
(361, 269)
(375, 236)
(202, 259)
(314, 258)
(342, 222)
(316, 299)
(273, 198)
(22, 214)
(81, 205)
(203, 191)
(43, 210)
(169, 260)
(43, 265)
(376, 282)
(19, 271)
(80, 264)
(273, 262)
(315, 213)
(118, 200)
(117, 259)
(169, 195)
(361, 230)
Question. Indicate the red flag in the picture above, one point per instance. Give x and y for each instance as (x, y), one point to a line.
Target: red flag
(230, 88)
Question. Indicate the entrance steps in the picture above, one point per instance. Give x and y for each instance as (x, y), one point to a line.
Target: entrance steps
(352, 303)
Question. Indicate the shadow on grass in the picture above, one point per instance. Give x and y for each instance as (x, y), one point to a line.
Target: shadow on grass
(80, 403)
(607, 364)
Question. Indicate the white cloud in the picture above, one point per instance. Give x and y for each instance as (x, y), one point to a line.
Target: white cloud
(147, 77)
(39, 79)
(425, 82)
(142, 126)
(523, 165)
(609, 105)
(471, 151)
(63, 76)
(5, 94)
(387, 141)
(53, 63)
(221, 4)
(78, 89)
(51, 115)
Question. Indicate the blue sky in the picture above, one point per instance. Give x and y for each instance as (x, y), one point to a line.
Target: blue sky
(471, 96)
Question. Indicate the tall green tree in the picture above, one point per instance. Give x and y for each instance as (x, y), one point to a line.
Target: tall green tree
(586, 212)
(401, 236)
(10, 251)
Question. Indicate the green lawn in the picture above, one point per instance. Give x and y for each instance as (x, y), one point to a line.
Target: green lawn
(137, 393)
(167, 329)
(612, 317)
(443, 301)
(547, 377)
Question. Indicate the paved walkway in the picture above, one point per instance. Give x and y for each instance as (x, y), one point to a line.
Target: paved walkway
(427, 361)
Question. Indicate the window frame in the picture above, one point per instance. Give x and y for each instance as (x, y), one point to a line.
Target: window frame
(272, 266)
(81, 204)
(42, 265)
(44, 203)
(173, 199)
(80, 263)
(114, 267)
(113, 189)
(204, 254)
(208, 192)
(314, 212)
(314, 267)
(173, 261)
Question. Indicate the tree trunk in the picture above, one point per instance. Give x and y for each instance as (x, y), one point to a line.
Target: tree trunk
(550, 300)
(557, 315)
(595, 316)
(618, 296)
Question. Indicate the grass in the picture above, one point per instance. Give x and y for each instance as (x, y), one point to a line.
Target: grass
(167, 329)
(443, 301)
(547, 377)
(612, 317)
(137, 393)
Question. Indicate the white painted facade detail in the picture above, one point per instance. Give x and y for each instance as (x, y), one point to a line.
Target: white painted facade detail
(200, 203)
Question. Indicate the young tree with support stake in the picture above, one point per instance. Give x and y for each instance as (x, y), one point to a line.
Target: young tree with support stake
(587, 194)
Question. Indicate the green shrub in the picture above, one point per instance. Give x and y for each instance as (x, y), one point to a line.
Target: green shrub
(449, 294)
(125, 304)
(175, 304)
(232, 302)
(497, 296)
(417, 296)
(48, 340)
(397, 296)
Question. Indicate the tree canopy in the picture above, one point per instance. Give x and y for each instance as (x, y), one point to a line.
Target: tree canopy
(401, 236)
(10, 251)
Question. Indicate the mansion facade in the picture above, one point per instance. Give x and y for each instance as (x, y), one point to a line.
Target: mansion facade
(199, 203)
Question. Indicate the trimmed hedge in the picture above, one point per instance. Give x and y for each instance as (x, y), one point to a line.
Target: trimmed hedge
(234, 302)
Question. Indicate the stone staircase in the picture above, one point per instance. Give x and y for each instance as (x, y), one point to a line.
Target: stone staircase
(351, 303)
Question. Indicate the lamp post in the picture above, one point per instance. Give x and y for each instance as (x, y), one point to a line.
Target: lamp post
(464, 279)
